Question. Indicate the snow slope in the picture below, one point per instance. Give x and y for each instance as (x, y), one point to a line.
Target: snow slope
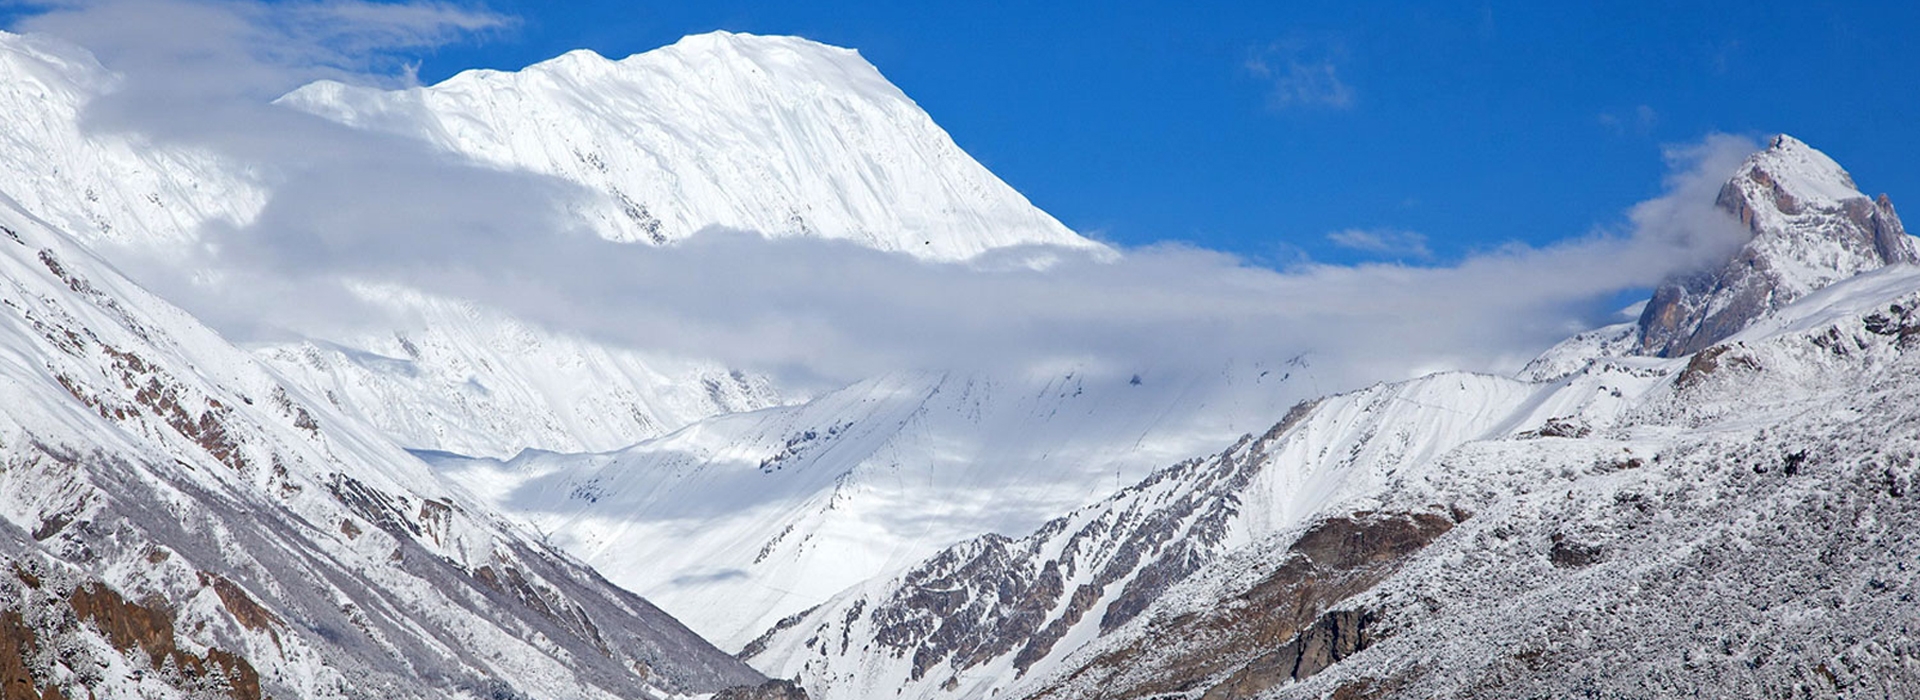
(739, 520)
(102, 187)
(175, 495)
(463, 378)
(776, 135)
(951, 625)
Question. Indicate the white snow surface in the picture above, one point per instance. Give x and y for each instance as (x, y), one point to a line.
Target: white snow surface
(463, 378)
(739, 520)
(1806, 175)
(102, 187)
(483, 382)
(769, 134)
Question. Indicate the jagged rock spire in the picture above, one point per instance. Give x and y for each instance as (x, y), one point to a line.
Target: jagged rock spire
(1811, 227)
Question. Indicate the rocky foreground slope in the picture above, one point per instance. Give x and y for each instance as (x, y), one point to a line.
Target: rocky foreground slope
(1736, 522)
(175, 521)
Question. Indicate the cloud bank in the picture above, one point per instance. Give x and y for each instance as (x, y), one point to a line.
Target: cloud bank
(351, 209)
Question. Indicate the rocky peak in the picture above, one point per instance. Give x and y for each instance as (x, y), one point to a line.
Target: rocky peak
(1811, 227)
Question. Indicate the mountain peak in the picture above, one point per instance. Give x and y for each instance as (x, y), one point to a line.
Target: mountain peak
(1784, 180)
(777, 135)
(1811, 227)
(721, 39)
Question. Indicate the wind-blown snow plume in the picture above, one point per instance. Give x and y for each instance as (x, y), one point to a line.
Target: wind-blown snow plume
(351, 208)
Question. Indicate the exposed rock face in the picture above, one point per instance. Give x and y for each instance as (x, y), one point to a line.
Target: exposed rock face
(1811, 227)
(49, 640)
(776, 689)
(1337, 635)
(17, 642)
(1231, 650)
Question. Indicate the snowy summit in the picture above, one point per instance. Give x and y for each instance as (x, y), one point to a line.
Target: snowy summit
(777, 135)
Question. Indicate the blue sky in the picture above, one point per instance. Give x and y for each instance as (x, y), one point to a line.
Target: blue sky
(1265, 128)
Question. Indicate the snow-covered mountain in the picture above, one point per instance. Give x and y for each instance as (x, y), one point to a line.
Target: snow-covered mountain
(1811, 227)
(102, 187)
(773, 135)
(1734, 522)
(792, 505)
(1719, 494)
(770, 134)
(175, 521)
(482, 383)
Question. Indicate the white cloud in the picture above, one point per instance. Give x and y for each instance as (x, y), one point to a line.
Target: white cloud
(1300, 74)
(1384, 241)
(819, 310)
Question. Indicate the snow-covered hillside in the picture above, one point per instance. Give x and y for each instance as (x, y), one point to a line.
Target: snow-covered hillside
(102, 187)
(175, 520)
(1735, 523)
(773, 135)
(739, 520)
(1720, 494)
(977, 618)
(463, 378)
